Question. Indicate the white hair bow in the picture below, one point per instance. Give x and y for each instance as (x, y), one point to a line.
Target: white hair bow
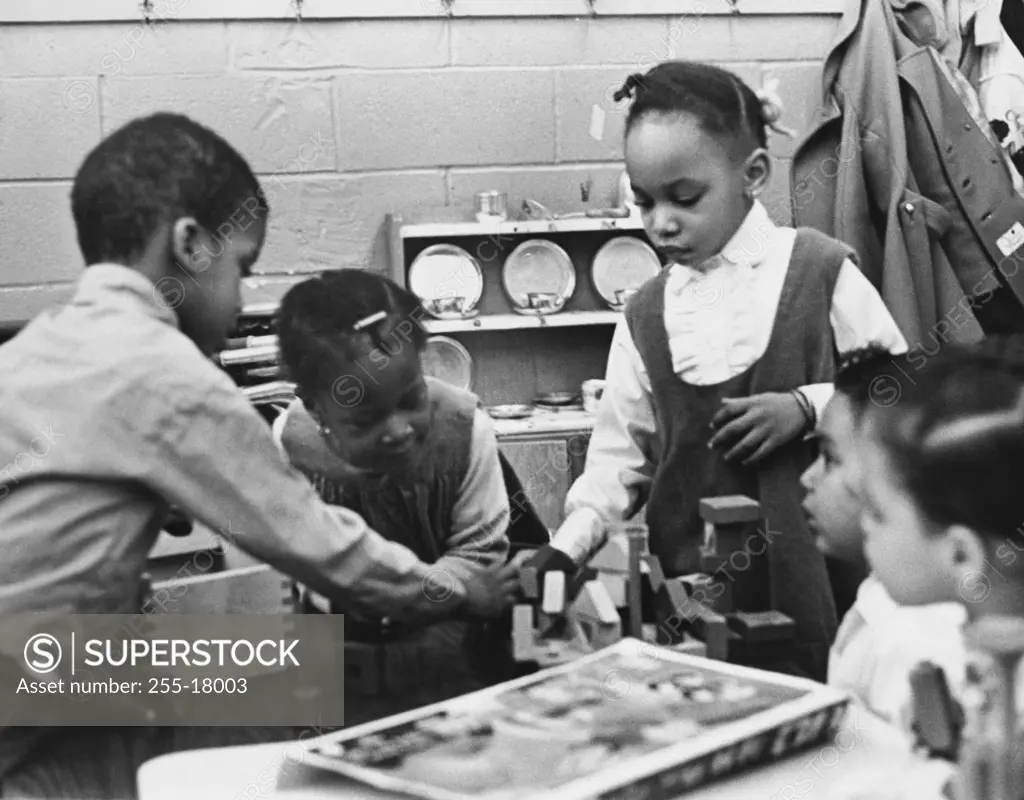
(771, 107)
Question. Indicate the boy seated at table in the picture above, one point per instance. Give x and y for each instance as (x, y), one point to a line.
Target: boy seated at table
(412, 455)
(124, 414)
(878, 642)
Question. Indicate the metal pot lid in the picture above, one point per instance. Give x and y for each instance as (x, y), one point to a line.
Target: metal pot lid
(538, 268)
(449, 361)
(447, 280)
(621, 266)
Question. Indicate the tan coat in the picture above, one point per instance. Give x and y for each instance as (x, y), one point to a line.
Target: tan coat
(889, 170)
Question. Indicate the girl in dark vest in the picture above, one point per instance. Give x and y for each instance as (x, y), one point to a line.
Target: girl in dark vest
(414, 456)
(719, 366)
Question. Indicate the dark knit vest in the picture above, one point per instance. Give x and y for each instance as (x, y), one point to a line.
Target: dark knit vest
(442, 661)
(801, 351)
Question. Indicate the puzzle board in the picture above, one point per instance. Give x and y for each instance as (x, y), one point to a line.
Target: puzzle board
(632, 720)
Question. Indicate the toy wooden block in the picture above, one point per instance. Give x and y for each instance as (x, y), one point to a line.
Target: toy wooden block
(937, 718)
(363, 668)
(670, 602)
(729, 510)
(614, 556)
(717, 590)
(655, 574)
(703, 622)
(554, 593)
(523, 635)
(696, 584)
(528, 580)
(691, 647)
(637, 536)
(615, 585)
(763, 626)
(727, 521)
(597, 614)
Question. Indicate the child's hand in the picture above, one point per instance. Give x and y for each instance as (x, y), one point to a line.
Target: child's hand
(756, 426)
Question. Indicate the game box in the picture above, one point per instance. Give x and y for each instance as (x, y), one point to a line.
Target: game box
(630, 721)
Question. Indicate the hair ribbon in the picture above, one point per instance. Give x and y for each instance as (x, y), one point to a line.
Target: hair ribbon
(771, 107)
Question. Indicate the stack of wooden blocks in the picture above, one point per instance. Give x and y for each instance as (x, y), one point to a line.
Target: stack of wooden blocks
(693, 613)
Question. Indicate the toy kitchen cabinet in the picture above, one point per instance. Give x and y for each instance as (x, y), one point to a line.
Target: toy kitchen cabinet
(511, 355)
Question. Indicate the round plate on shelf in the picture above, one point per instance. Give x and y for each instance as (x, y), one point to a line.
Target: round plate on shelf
(511, 411)
(538, 278)
(622, 266)
(448, 281)
(558, 400)
(449, 361)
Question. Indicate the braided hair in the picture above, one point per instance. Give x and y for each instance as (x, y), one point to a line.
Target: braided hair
(956, 436)
(726, 106)
(336, 317)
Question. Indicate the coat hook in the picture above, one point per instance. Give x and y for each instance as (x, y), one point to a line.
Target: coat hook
(297, 7)
(146, 7)
(734, 5)
(593, 7)
(449, 6)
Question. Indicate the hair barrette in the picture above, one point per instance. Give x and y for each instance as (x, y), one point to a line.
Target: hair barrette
(771, 108)
(366, 322)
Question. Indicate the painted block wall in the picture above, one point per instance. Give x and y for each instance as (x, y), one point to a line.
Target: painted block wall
(347, 120)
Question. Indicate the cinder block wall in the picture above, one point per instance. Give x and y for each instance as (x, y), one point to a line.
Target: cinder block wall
(348, 120)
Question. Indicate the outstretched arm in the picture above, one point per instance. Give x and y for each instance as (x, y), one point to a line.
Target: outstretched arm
(619, 466)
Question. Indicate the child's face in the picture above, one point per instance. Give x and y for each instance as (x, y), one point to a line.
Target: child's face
(913, 562)
(209, 270)
(690, 189)
(832, 503)
(378, 413)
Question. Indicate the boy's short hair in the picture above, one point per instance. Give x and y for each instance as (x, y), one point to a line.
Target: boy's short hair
(956, 437)
(150, 172)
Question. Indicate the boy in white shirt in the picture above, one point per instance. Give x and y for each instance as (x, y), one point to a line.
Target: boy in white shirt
(879, 642)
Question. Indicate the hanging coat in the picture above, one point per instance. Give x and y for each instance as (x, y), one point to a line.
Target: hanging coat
(899, 169)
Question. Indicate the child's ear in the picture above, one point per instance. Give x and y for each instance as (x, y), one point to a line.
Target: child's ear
(187, 243)
(967, 550)
(757, 170)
